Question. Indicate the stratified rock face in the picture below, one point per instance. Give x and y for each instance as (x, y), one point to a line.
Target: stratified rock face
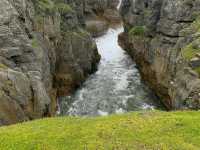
(163, 36)
(44, 53)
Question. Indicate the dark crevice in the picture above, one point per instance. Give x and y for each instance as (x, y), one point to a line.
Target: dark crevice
(185, 21)
(22, 19)
(168, 35)
(28, 33)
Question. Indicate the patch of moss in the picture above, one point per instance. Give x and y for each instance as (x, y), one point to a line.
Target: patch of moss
(147, 12)
(2, 66)
(194, 28)
(191, 49)
(79, 33)
(83, 33)
(34, 43)
(63, 8)
(132, 131)
(137, 31)
(196, 25)
(198, 70)
(39, 19)
(44, 7)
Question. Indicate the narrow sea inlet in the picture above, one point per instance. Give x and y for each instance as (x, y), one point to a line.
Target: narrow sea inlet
(115, 88)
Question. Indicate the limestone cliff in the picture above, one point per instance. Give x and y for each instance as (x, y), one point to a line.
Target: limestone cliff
(45, 53)
(163, 36)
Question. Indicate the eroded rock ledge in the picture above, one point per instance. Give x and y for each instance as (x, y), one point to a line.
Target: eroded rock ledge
(163, 36)
(45, 53)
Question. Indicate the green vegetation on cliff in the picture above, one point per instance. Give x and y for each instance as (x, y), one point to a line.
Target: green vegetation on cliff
(63, 8)
(132, 131)
(190, 50)
(44, 7)
(137, 31)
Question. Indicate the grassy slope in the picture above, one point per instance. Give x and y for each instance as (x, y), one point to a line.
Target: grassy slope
(133, 131)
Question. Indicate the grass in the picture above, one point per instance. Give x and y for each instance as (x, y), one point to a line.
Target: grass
(132, 131)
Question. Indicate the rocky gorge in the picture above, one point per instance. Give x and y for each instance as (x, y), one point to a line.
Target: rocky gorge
(99, 74)
(163, 37)
(47, 50)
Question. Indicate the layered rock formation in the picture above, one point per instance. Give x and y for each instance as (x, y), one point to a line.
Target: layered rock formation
(45, 53)
(163, 36)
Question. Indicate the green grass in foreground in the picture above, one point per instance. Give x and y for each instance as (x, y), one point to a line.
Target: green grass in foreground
(132, 131)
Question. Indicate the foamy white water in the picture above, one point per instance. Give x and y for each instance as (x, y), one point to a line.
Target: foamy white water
(120, 2)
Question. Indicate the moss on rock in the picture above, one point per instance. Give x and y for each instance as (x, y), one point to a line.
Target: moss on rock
(137, 31)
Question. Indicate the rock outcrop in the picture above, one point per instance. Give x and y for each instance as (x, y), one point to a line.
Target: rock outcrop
(100, 14)
(163, 36)
(45, 53)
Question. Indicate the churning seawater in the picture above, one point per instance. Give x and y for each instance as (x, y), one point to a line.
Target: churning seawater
(115, 88)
